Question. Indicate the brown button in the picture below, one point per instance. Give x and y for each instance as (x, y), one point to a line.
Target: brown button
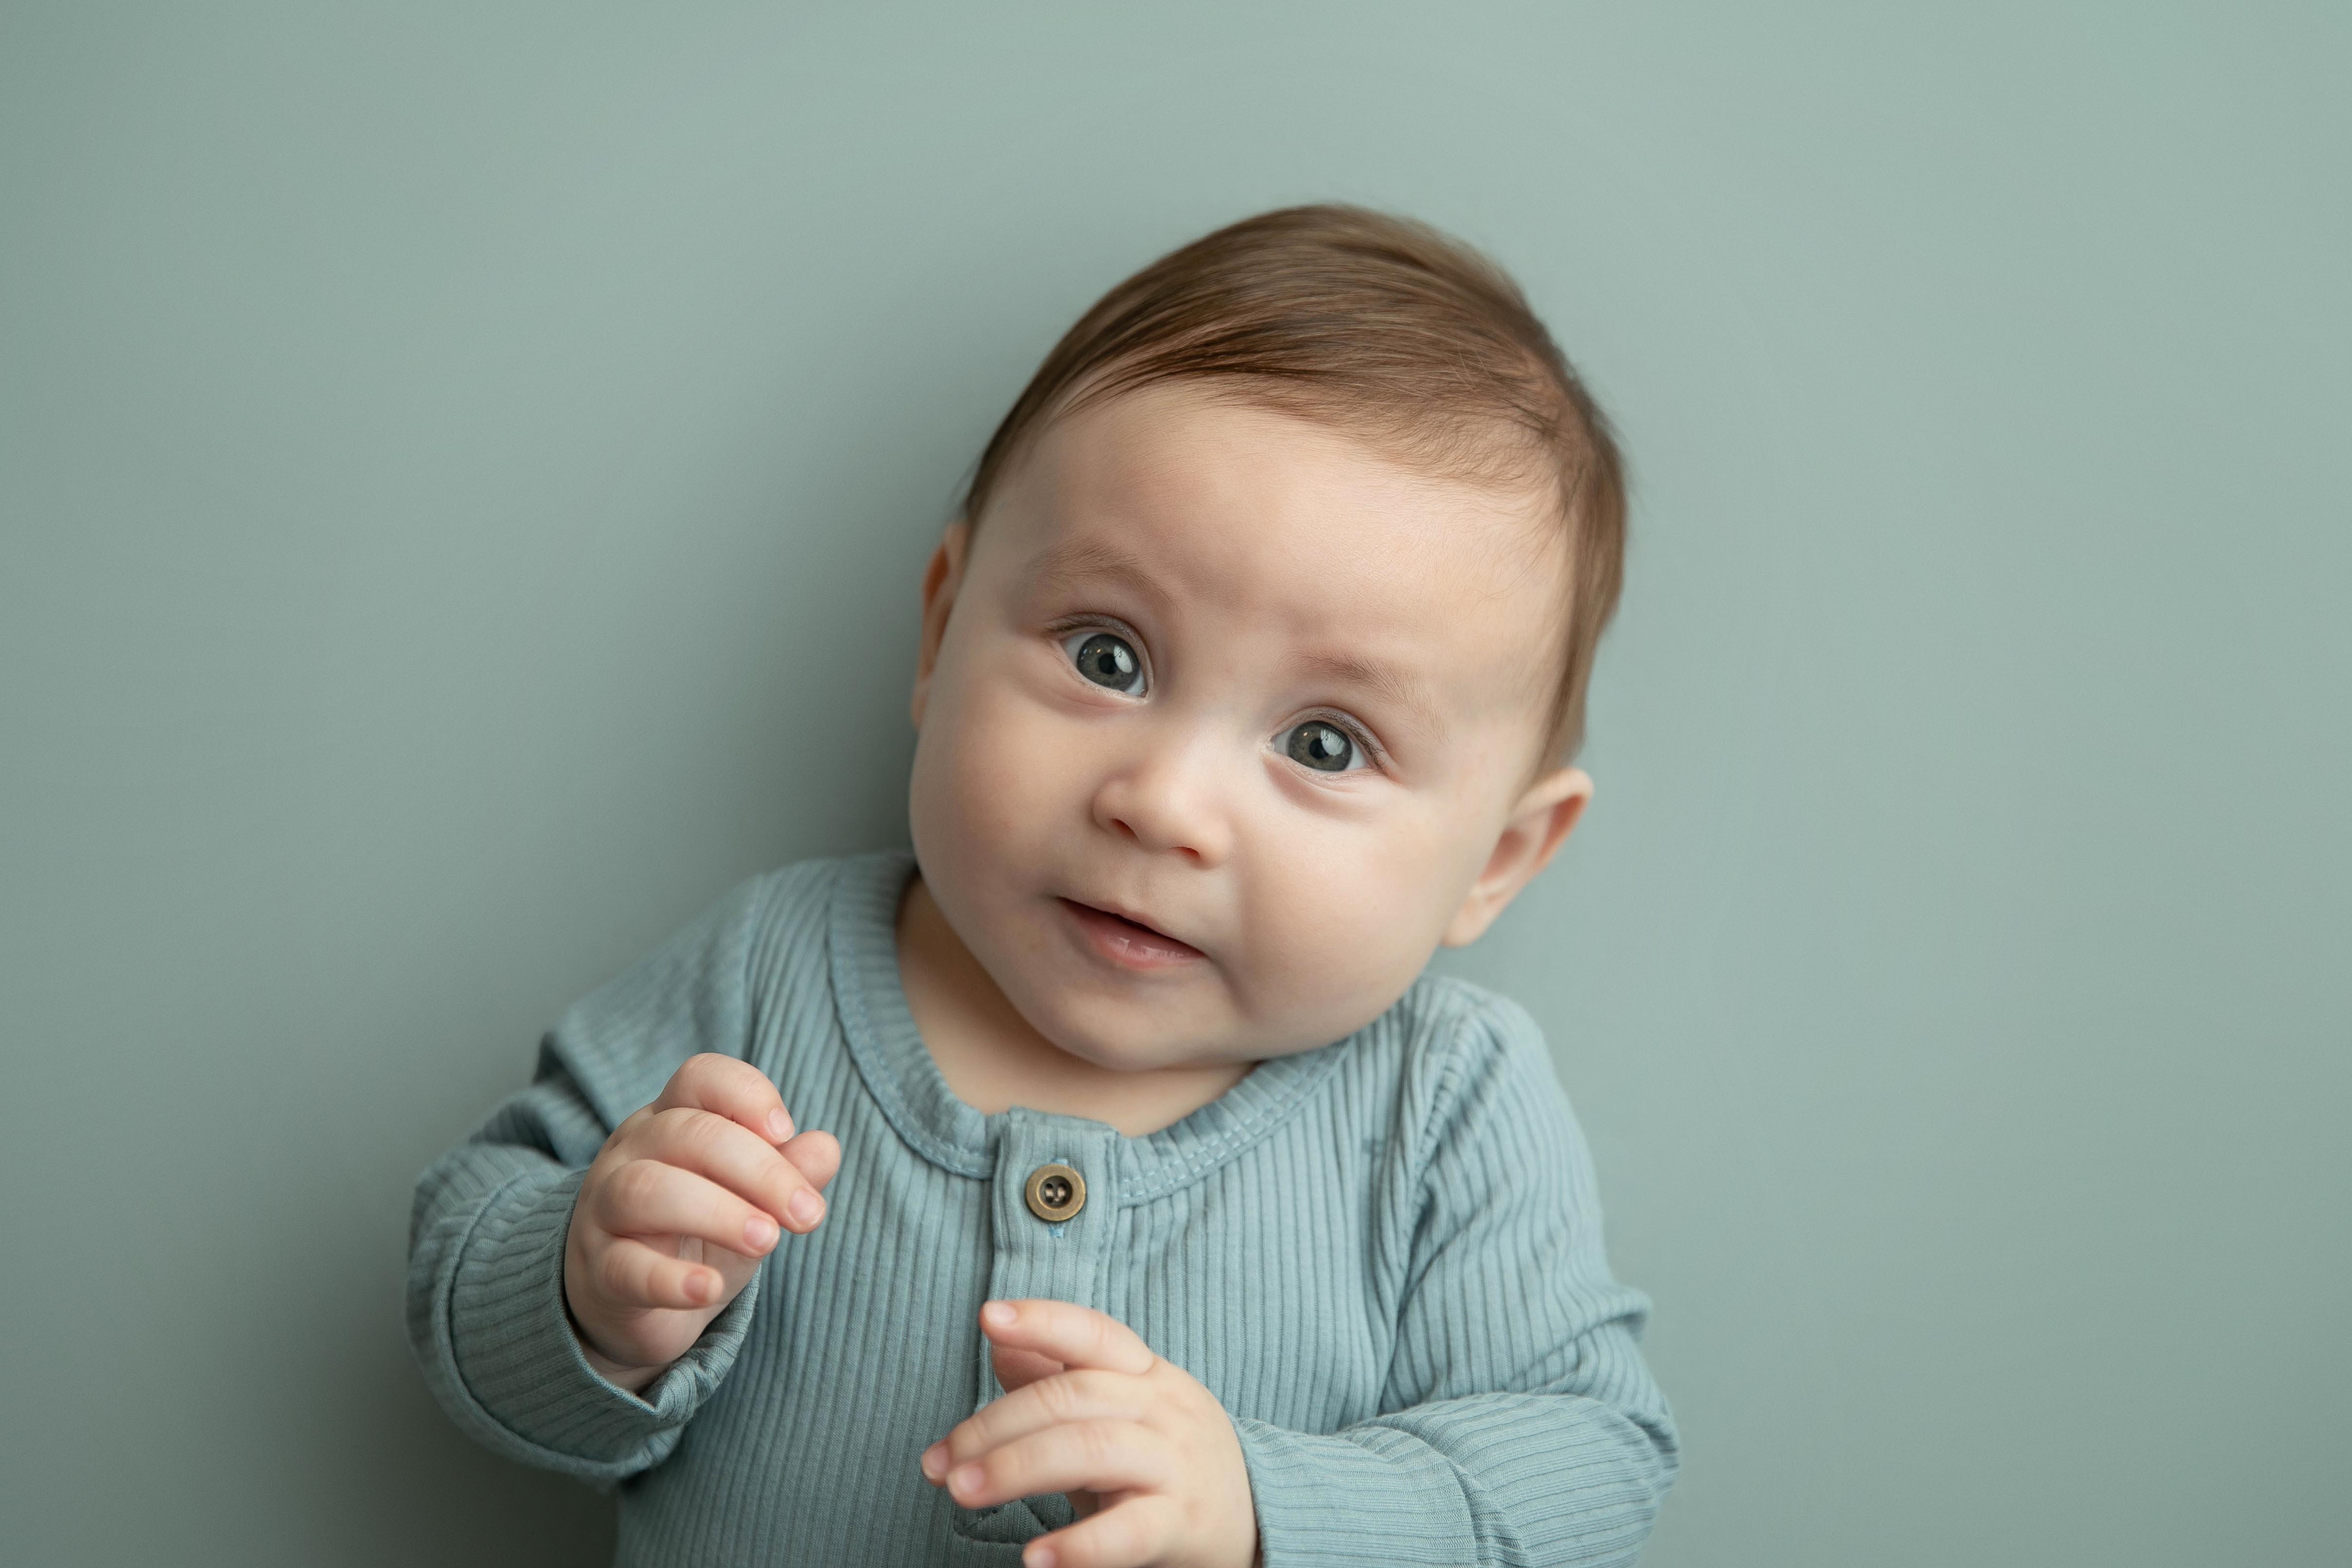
(1055, 1193)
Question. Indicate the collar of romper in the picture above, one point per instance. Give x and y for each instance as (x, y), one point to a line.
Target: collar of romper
(862, 941)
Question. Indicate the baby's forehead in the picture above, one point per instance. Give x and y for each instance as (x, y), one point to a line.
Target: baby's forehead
(1201, 450)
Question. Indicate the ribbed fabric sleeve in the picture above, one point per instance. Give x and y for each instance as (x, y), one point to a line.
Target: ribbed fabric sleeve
(1383, 1257)
(485, 1308)
(1521, 1427)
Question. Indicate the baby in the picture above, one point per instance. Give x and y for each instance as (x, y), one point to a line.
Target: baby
(1168, 1213)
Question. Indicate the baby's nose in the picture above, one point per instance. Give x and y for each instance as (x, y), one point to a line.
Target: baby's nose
(1168, 802)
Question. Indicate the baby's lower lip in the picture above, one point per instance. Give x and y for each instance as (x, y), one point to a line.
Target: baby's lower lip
(1123, 942)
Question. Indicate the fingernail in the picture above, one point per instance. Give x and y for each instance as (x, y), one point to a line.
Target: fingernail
(804, 1207)
(997, 1314)
(759, 1233)
(1039, 1556)
(698, 1287)
(780, 1127)
(935, 1461)
(964, 1478)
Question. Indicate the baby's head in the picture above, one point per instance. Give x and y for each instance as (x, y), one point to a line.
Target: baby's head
(1251, 670)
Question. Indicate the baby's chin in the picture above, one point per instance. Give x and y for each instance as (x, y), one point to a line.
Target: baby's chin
(1137, 1049)
(1136, 1037)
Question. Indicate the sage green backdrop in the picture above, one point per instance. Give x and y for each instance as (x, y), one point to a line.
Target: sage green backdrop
(463, 475)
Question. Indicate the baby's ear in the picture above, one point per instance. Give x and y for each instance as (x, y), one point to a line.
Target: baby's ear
(940, 581)
(1540, 823)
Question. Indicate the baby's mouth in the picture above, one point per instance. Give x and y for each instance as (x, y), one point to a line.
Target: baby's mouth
(1129, 942)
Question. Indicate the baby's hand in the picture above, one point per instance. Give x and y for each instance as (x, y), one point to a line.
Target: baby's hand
(682, 1202)
(1149, 1458)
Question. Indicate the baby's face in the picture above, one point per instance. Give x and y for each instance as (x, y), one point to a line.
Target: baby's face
(1232, 723)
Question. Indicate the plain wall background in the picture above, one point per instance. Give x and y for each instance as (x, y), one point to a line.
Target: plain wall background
(463, 475)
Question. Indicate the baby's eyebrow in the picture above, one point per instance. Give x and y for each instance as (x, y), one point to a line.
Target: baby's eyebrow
(1383, 680)
(1074, 562)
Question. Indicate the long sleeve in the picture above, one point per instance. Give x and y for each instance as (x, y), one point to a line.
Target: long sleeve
(485, 1311)
(1521, 1425)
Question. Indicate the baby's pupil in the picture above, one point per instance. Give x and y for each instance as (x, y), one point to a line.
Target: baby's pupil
(1107, 660)
(1321, 745)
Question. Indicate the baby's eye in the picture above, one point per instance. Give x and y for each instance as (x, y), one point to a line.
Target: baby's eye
(1322, 746)
(1107, 659)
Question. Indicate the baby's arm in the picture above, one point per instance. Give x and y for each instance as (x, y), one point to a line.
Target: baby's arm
(1523, 1425)
(493, 1233)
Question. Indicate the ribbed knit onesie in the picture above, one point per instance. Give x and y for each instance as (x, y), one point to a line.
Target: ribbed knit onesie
(1383, 1255)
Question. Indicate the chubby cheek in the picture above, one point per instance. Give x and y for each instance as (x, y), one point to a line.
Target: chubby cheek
(984, 788)
(996, 788)
(1341, 918)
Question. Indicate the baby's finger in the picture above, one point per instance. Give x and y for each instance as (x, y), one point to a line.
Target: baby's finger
(1089, 1455)
(636, 1275)
(1070, 1397)
(745, 1165)
(730, 1087)
(817, 1156)
(1073, 1336)
(1019, 1368)
(1129, 1535)
(647, 1197)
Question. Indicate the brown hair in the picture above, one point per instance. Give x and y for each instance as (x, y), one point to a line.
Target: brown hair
(1380, 326)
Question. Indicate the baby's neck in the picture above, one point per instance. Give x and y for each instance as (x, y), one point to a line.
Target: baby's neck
(992, 1060)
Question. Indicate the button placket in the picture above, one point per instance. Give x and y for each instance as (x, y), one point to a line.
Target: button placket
(1049, 1166)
